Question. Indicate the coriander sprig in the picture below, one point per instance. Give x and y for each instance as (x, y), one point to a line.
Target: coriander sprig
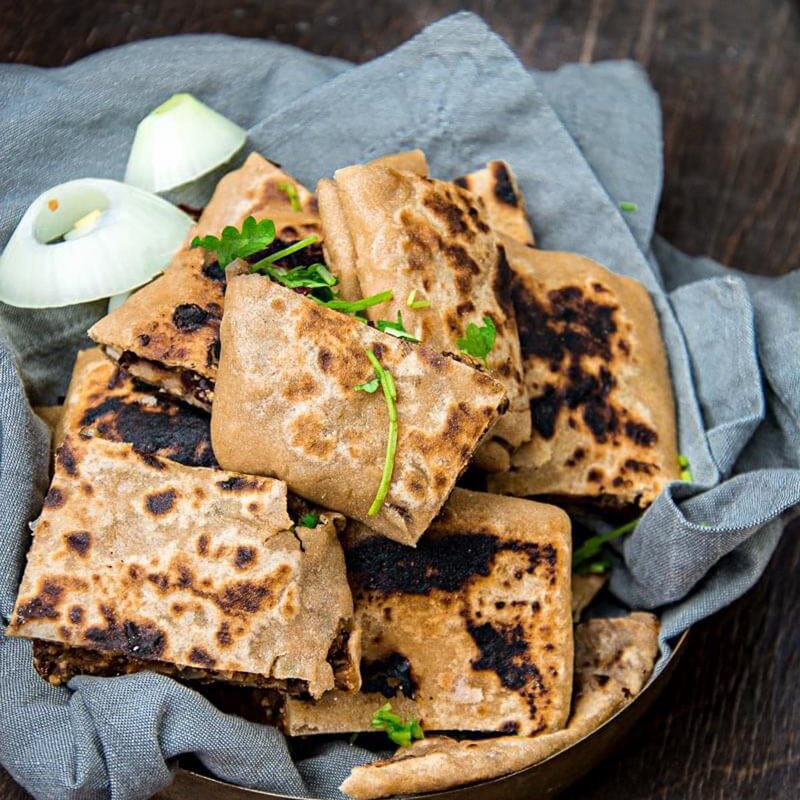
(479, 340)
(309, 520)
(594, 544)
(354, 306)
(233, 243)
(401, 733)
(386, 381)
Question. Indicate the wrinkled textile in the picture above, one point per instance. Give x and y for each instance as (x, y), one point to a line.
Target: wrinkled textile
(581, 140)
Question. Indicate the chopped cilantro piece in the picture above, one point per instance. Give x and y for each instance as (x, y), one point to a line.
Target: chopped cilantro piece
(594, 544)
(233, 244)
(354, 306)
(390, 395)
(479, 340)
(309, 520)
(395, 328)
(686, 472)
(627, 206)
(401, 733)
(290, 190)
(370, 387)
(412, 302)
(286, 251)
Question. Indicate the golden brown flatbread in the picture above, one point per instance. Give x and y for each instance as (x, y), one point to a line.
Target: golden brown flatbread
(167, 333)
(103, 400)
(584, 590)
(139, 557)
(497, 186)
(472, 630)
(600, 392)
(387, 229)
(613, 661)
(286, 406)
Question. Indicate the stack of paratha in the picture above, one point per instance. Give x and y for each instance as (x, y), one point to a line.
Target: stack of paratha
(248, 545)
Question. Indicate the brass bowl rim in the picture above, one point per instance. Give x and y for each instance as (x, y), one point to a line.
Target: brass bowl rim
(676, 650)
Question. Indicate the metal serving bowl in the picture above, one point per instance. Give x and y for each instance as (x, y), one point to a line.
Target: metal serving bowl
(545, 779)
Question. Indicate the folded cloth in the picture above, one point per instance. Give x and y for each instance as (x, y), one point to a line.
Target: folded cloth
(581, 140)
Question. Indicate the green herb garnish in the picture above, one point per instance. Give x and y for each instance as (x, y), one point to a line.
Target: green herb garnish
(370, 387)
(286, 251)
(354, 306)
(233, 244)
(411, 302)
(401, 733)
(686, 472)
(599, 567)
(309, 520)
(627, 206)
(594, 544)
(290, 190)
(386, 381)
(479, 340)
(396, 329)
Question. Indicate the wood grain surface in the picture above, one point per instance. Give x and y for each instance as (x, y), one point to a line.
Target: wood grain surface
(728, 75)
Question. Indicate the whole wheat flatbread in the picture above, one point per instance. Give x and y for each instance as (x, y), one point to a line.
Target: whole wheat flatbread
(472, 630)
(597, 377)
(212, 576)
(409, 233)
(613, 661)
(497, 186)
(103, 400)
(286, 406)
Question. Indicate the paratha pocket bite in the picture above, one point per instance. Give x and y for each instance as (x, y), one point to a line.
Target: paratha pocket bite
(596, 371)
(141, 563)
(287, 406)
(470, 631)
(430, 243)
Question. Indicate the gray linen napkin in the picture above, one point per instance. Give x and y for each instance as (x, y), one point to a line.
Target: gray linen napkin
(581, 140)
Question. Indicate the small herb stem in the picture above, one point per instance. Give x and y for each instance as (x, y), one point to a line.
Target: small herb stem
(591, 547)
(287, 251)
(390, 395)
(360, 305)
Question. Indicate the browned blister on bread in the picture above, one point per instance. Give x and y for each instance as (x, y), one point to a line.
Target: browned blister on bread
(286, 406)
(138, 557)
(472, 630)
(597, 377)
(103, 400)
(392, 229)
(613, 661)
(497, 187)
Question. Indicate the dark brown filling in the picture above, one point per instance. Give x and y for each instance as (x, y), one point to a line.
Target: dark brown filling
(193, 383)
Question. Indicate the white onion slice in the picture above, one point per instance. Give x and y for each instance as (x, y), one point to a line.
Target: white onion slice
(104, 238)
(115, 301)
(179, 142)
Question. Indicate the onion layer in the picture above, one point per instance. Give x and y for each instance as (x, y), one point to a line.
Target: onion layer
(180, 141)
(88, 239)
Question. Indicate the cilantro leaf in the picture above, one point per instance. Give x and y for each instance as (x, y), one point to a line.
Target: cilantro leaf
(290, 190)
(479, 340)
(396, 329)
(626, 205)
(594, 545)
(309, 520)
(401, 733)
(233, 243)
(686, 472)
(370, 387)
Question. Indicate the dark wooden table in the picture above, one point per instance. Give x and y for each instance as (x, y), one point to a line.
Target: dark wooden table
(728, 75)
